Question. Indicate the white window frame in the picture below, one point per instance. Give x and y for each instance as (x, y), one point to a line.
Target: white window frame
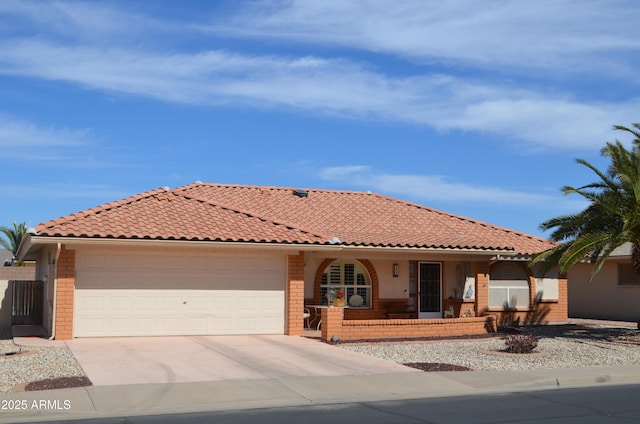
(516, 284)
(336, 276)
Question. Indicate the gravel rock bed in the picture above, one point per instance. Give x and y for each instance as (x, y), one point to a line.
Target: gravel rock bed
(44, 363)
(567, 347)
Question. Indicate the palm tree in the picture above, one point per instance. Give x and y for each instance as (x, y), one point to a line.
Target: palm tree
(612, 217)
(13, 236)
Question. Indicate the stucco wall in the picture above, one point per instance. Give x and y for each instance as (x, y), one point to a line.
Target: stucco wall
(390, 287)
(547, 286)
(602, 297)
(5, 304)
(8, 274)
(396, 287)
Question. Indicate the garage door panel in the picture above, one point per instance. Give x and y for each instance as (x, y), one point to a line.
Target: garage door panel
(171, 325)
(132, 312)
(220, 325)
(119, 325)
(120, 304)
(91, 304)
(142, 325)
(197, 304)
(147, 303)
(159, 296)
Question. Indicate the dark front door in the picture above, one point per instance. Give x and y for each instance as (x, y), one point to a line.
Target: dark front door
(429, 290)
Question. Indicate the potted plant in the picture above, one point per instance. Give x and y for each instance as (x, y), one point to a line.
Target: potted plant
(340, 299)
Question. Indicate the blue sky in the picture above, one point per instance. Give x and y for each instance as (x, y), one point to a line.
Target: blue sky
(474, 108)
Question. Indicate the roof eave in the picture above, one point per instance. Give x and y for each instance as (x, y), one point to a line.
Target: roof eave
(455, 250)
(35, 240)
(74, 240)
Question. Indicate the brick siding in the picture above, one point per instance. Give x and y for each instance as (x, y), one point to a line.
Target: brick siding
(294, 322)
(64, 294)
(335, 326)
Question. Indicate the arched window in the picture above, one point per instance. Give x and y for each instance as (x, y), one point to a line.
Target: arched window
(508, 286)
(350, 278)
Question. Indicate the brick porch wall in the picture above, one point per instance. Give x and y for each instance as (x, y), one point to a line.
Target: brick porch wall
(294, 323)
(334, 325)
(64, 294)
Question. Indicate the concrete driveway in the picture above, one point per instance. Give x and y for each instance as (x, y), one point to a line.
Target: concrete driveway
(139, 360)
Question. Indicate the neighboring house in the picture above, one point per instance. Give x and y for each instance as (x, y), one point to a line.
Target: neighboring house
(613, 293)
(6, 257)
(231, 259)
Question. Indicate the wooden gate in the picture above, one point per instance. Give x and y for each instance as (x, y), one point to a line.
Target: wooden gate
(27, 302)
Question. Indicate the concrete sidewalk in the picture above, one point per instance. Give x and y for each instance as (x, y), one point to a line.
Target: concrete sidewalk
(151, 399)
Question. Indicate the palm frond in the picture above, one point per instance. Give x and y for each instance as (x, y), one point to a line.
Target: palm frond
(612, 217)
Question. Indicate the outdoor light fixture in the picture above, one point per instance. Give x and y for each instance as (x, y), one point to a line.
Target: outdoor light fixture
(396, 270)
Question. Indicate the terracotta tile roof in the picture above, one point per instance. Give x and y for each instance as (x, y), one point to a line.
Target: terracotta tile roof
(202, 211)
(166, 215)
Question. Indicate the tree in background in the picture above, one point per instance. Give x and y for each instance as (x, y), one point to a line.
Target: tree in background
(13, 236)
(612, 217)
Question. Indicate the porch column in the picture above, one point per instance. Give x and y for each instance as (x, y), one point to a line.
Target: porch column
(65, 288)
(294, 322)
(331, 323)
(481, 271)
(560, 311)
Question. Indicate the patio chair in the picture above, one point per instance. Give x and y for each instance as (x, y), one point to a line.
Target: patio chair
(306, 316)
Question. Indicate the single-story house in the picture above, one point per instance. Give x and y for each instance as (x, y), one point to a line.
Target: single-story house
(213, 259)
(613, 293)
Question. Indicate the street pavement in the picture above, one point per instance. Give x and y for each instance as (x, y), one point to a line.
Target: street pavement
(242, 394)
(161, 376)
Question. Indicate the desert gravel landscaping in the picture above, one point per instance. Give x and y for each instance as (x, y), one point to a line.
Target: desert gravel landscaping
(579, 344)
(29, 364)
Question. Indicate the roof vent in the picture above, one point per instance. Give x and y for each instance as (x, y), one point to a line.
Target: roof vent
(300, 193)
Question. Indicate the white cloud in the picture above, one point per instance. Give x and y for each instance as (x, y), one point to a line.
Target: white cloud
(467, 33)
(32, 143)
(28, 141)
(103, 192)
(335, 87)
(76, 20)
(540, 34)
(435, 188)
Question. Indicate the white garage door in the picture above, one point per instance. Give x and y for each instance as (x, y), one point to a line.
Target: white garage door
(151, 294)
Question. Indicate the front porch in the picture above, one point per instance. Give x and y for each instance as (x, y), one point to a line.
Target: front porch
(415, 296)
(335, 327)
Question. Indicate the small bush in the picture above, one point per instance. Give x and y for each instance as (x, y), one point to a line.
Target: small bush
(520, 343)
